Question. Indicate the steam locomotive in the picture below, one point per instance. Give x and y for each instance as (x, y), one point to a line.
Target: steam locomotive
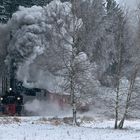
(13, 92)
(11, 103)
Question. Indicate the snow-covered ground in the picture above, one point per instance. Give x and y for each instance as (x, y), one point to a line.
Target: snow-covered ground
(37, 128)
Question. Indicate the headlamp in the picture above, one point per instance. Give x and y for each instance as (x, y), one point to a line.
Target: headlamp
(18, 98)
(10, 89)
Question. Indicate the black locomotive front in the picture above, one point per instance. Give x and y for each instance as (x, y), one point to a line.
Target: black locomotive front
(11, 103)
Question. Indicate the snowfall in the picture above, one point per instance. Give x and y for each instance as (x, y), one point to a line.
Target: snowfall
(43, 128)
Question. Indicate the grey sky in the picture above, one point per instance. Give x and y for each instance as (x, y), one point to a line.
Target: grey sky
(131, 4)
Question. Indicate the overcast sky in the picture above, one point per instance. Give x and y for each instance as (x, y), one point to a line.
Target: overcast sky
(132, 4)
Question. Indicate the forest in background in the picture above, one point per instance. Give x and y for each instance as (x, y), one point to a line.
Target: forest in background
(85, 48)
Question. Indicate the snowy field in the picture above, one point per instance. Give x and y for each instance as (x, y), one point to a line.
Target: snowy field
(36, 128)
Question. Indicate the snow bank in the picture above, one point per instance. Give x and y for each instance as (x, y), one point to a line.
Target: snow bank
(29, 129)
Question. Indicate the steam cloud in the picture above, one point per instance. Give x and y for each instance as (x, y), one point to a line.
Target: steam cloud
(46, 108)
(34, 44)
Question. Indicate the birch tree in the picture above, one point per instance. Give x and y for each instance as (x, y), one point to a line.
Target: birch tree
(120, 30)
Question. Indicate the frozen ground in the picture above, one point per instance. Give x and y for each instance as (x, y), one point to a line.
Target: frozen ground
(36, 128)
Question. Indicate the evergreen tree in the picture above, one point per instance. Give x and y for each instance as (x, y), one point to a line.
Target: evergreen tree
(92, 14)
(117, 32)
(8, 7)
(3, 14)
(92, 37)
(111, 5)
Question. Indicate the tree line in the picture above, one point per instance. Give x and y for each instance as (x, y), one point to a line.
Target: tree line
(102, 48)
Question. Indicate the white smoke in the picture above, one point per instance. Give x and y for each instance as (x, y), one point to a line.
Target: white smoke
(46, 108)
(4, 39)
(41, 45)
(4, 34)
(36, 33)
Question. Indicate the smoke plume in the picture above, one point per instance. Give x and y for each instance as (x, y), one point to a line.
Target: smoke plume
(46, 108)
(38, 34)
